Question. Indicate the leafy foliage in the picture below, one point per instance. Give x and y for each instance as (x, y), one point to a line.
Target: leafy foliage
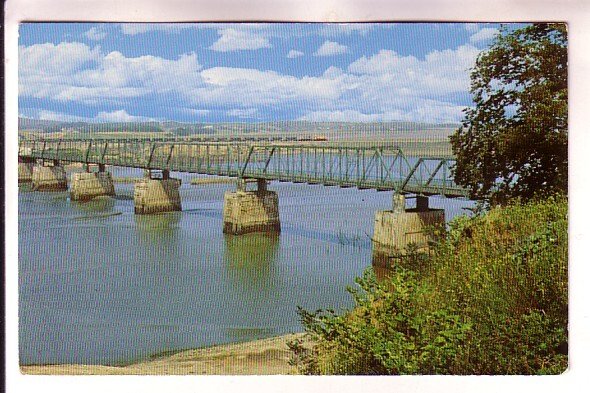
(492, 300)
(513, 142)
(386, 333)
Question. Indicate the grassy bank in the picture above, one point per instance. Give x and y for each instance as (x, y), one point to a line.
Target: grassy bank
(491, 300)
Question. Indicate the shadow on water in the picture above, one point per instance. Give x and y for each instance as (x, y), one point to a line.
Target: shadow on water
(94, 207)
(207, 212)
(359, 241)
(251, 260)
(158, 228)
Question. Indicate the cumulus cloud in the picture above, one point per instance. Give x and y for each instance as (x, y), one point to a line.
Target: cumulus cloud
(96, 34)
(294, 53)
(245, 87)
(331, 48)
(425, 111)
(441, 72)
(194, 112)
(485, 34)
(232, 39)
(244, 113)
(381, 86)
(75, 72)
(117, 116)
(471, 27)
(49, 59)
(340, 115)
(57, 116)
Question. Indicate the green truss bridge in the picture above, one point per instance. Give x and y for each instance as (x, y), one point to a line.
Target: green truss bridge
(383, 167)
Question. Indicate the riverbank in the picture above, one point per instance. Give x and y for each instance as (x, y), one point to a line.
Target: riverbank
(261, 357)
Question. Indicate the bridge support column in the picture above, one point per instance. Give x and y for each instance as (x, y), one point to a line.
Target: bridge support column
(87, 185)
(49, 178)
(25, 172)
(156, 195)
(397, 229)
(251, 211)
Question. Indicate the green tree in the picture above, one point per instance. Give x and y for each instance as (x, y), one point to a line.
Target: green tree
(513, 142)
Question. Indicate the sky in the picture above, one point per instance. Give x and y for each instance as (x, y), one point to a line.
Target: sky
(248, 72)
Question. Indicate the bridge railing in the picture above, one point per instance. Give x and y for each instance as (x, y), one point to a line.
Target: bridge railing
(378, 167)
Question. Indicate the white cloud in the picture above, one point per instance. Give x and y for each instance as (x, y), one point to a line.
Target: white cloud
(149, 72)
(340, 115)
(50, 60)
(246, 87)
(96, 34)
(232, 39)
(383, 86)
(243, 113)
(74, 72)
(294, 53)
(331, 48)
(385, 61)
(194, 112)
(117, 116)
(426, 111)
(485, 34)
(57, 116)
(471, 27)
(441, 72)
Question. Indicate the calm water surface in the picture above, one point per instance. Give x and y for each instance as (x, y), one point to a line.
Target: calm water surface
(100, 285)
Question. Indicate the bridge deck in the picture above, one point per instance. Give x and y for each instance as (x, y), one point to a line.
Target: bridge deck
(374, 167)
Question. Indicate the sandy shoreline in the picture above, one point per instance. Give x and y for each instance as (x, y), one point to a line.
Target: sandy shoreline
(261, 357)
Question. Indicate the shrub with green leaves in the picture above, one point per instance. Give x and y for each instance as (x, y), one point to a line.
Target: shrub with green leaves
(386, 333)
(492, 299)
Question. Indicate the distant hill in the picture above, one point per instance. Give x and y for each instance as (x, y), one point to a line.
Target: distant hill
(331, 129)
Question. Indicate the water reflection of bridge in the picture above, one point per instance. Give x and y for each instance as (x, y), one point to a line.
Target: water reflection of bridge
(380, 167)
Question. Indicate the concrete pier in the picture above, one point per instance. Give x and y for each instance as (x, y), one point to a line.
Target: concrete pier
(396, 229)
(87, 185)
(49, 178)
(156, 195)
(25, 172)
(251, 211)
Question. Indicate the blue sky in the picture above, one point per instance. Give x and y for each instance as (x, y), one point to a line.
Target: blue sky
(248, 72)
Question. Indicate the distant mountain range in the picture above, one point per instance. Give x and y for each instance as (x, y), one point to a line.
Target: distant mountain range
(184, 129)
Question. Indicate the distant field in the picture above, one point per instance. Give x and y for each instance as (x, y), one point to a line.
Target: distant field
(96, 135)
(288, 130)
(436, 144)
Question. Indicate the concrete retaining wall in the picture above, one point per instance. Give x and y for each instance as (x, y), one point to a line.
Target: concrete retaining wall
(85, 185)
(157, 195)
(25, 172)
(251, 211)
(49, 178)
(394, 231)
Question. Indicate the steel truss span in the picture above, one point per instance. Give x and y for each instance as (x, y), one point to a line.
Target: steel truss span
(380, 167)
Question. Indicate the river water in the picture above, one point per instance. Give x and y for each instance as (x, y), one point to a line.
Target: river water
(100, 285)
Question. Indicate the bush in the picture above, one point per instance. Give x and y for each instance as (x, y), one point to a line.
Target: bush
(491, 300)
(386, 333)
